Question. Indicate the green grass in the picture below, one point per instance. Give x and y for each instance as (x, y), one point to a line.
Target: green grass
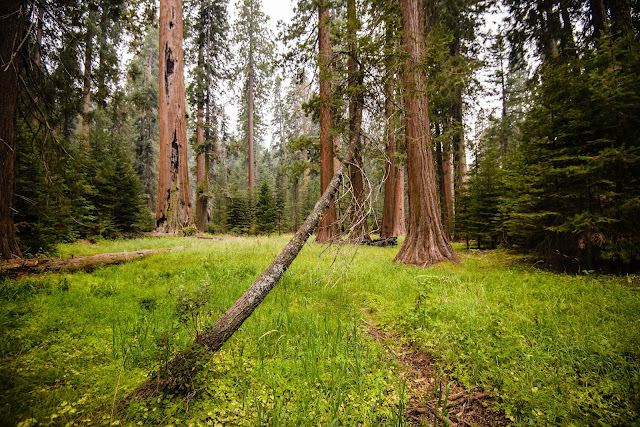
(85, 248)
(559, 350)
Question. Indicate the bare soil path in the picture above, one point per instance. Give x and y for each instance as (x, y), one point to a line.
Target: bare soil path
(434, 398)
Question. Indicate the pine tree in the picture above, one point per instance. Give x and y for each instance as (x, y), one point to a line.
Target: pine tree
(254, 49)
(264, 210)
(142, 89)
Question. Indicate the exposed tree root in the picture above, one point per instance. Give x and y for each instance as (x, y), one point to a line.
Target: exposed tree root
(434, 398)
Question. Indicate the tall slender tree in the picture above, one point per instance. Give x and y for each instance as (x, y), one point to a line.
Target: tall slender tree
(174, 201)
(328, 227)
(142, 89)
(393, 207)
(425, 243)
(254, 51)
(86, 78)
(211, 50)
(359, 230)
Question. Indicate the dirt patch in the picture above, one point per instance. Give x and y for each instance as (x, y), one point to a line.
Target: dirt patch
(436, 399)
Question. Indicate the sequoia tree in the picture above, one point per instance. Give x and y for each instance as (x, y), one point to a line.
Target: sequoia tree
(174, 202)
(393, 208)
(12, 18)
(328, 228)
(359, 230)
(425, 243)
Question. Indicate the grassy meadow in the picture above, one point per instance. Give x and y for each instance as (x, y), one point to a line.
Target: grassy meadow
(556, 349)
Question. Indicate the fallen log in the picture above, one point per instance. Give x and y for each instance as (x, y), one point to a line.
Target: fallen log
(176, 375)
(17, 268)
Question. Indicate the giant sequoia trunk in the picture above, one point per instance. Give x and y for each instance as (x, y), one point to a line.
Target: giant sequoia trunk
(12, 19)
(174, 201)
(359, 231)
(328, 228)
(177, 373)
(425, 243)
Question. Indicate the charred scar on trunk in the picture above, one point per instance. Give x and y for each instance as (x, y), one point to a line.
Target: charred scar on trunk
(169, 69)
(170, 61)
(161, 220)
(175, 159)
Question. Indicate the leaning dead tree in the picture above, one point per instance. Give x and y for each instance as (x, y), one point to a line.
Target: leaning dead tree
(176, 374)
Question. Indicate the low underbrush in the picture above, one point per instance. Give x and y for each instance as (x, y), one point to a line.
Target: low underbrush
(557, 349)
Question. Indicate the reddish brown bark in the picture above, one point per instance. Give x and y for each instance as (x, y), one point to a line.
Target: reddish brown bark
(201, 181)
(358, 212)
(328, 228)
(337, 148)
(12, 25)
(425, 243)
(446, 193)
(399, 220)
(174, 210)
(177, 373)
(388, 208)
(454, 201)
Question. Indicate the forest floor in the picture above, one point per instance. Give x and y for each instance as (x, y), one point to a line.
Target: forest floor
(345, 338)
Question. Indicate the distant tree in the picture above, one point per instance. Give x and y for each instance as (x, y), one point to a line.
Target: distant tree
(481, 216)
(142, 88)
(254, 49)
(210, 50)
(238, 213)
(265, 215)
